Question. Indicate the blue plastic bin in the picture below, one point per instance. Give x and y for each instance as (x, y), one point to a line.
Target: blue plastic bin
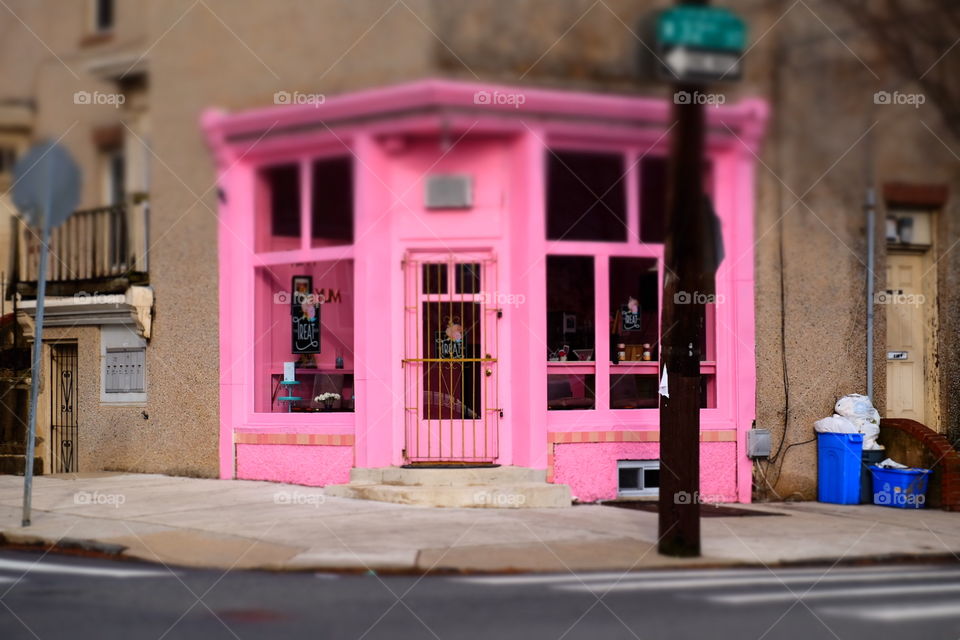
(838, 467)
(900, 488)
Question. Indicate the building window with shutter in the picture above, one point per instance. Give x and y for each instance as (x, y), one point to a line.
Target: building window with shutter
(123, 354)
(125, 369)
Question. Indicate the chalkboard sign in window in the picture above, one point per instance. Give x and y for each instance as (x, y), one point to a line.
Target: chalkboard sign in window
(630, 316)
(305, 316)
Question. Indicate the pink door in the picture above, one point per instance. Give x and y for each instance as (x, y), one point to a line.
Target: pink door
(450, 365)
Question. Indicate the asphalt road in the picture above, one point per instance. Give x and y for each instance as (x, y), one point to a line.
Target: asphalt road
(49, 597)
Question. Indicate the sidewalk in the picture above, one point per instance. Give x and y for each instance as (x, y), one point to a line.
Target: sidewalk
(260, 525)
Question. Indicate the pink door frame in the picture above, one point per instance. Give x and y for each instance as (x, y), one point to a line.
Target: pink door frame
(363, 124)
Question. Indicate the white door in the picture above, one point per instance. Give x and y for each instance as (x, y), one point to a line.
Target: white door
(906, 324)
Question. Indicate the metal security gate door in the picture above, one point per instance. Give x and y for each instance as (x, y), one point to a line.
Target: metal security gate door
(452, 411)
(63, 408)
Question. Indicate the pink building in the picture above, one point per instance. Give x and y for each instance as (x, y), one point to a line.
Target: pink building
(442, 272)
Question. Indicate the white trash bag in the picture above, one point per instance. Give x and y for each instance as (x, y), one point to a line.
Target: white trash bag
(860, 411)
(835, 424)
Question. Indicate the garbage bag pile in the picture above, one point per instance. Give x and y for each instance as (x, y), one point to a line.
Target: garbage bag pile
(854, 414)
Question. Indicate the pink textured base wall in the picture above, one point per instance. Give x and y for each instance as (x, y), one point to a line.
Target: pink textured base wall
(591, 468)
(312, 465)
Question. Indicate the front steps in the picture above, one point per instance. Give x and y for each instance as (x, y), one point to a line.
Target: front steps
(481, 488)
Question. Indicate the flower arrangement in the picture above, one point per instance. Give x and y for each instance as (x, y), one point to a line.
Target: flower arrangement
(327, 399)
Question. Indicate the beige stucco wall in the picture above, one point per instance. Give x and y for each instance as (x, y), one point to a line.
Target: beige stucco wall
(235, 55)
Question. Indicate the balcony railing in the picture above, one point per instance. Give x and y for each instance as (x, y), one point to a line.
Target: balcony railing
(94, 244)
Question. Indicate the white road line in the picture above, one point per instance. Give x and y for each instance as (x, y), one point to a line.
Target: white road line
(818, 594)
(615, 576)
(632, 585)
(897, 613)
(27, 567)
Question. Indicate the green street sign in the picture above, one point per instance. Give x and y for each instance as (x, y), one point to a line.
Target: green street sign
(712, 28)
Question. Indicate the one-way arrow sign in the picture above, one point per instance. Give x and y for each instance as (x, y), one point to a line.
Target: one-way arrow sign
(685, 64)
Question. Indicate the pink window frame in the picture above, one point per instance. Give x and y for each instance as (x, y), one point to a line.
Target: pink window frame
(602, 252)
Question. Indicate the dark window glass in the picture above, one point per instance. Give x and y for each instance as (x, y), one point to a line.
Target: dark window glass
(468, 278)
(451, 381)
(708, 391)
(634, 309)
(634, 391)
(629, 478)
(8, 158)
(332, 202)
(570, 308)
(434, 277)
(118, 180)
(571, 391)
(586, 197)
(651, 478)
(104, 15)
(653, 199)
(284, 187)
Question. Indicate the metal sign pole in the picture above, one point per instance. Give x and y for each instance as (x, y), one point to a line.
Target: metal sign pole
(46, 189)
(35, 374)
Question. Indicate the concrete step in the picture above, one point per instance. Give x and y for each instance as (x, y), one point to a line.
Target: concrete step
(520, 495)
(447, 477)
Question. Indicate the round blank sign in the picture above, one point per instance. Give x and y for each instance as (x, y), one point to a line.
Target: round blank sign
(46, 176)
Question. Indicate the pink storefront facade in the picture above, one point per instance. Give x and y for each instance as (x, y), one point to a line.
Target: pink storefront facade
(451, 273)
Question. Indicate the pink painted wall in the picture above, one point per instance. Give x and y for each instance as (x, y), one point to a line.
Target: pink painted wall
(591, 468)
(312, 465)
(505, 150)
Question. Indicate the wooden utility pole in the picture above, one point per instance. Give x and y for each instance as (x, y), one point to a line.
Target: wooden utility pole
(682, 326)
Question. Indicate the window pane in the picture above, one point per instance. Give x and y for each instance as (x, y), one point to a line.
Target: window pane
(104, 15)
(634, 309)
(451, 334)
(653, 178)
(570, 308)
(468, 278)
(304, 315)
(586, 197)
(571, 391)
(634, 391)
(708, 391)
(653, 198)
(278, 210)
(434, 277)
(332, 206)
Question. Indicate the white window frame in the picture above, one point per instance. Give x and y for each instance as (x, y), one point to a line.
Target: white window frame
(121, 337)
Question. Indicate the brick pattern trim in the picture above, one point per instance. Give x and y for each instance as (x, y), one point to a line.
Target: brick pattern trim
(335, 440)
(579, 437)
(948, 460)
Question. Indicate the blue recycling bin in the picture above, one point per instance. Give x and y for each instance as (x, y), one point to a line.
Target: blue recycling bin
(900, 488)
(838, 467)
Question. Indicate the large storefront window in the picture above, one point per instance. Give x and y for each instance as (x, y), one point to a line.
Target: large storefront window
(304, 303)
(304, 337)
(617, 238)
